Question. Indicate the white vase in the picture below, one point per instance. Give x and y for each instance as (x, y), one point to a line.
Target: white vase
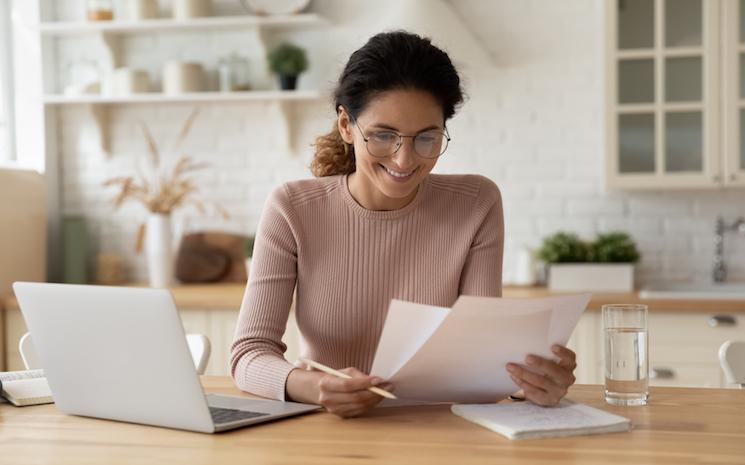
(159, 250)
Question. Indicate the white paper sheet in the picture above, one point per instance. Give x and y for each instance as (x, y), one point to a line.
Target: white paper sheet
(459, 355)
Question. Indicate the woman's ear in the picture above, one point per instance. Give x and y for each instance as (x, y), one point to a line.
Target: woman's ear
(344, 123)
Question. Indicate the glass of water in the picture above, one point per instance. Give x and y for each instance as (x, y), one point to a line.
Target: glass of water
(626, 354)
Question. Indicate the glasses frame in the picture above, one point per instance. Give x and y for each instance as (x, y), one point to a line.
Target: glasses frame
(401, 142)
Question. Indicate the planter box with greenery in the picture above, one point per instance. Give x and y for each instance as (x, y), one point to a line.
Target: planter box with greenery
(605, 265)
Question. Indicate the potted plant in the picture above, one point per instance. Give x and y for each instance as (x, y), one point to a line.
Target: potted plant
(606, 264)
(248, 252)
(288, 61)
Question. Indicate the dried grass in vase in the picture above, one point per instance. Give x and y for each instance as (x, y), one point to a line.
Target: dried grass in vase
(159, 190)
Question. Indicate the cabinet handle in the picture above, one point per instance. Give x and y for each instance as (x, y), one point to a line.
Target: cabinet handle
(722, 320)
(732, 177)
(716, 178)
(662, 373)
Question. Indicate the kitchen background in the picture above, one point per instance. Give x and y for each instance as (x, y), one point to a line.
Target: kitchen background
(536, 73)
(533, 123)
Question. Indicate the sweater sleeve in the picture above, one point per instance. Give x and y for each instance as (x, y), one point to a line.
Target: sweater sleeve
(482, 271)
(257, 362)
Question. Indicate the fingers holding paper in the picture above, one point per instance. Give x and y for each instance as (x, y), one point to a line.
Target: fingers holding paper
(350, 397)
(547, 381)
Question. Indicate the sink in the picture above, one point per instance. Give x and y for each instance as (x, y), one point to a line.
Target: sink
(695, 290)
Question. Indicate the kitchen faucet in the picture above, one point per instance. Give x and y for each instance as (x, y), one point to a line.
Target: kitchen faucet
(719, 272)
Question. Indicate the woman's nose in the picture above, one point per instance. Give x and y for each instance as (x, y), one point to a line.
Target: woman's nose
(405, 157)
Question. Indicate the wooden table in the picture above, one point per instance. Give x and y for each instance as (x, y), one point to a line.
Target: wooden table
(680, 426)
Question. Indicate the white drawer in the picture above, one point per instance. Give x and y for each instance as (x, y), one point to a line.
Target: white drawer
(688, 338)
(688, 375)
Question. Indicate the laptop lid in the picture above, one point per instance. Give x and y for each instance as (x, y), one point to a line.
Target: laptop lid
(115, 352)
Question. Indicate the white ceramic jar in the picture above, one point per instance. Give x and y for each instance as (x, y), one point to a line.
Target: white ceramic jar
(187, 9)
(138, 10)
(126, 81)
(181, 77)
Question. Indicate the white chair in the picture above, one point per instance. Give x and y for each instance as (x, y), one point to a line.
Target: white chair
(199, 346)
(732, 359)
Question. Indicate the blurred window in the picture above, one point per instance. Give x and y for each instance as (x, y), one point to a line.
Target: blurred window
(7, 146)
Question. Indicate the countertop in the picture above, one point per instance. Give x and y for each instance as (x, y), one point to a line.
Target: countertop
(679, 426)
(229, 296)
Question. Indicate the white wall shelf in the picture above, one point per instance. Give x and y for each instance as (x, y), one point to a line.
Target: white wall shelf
(98, 106)
(166, 25)
(205, 97)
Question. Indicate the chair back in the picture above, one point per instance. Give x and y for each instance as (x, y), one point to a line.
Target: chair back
(28, 353)
(732, 360)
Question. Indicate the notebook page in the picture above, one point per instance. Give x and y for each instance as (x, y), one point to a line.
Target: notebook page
(24, 374)
(517, 418)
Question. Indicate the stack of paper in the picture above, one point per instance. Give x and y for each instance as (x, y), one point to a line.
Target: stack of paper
(459, 355)
(22, 388)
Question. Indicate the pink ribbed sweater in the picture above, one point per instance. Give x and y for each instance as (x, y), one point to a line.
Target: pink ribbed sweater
(349, 262)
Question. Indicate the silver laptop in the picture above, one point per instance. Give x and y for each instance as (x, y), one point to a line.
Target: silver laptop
(121, 354)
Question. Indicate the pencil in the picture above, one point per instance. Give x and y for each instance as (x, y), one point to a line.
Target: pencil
(331, 371)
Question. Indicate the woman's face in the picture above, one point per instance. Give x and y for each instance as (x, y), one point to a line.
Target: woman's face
(391, 181)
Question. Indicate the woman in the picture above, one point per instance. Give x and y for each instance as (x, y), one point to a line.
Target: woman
(375, 225)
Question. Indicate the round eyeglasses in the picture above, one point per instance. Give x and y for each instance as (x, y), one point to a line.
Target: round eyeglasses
(427, 144)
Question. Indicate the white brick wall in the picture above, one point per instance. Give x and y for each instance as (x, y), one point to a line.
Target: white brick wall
(534, 124)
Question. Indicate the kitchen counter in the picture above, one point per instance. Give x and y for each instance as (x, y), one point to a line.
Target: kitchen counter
(229, 296)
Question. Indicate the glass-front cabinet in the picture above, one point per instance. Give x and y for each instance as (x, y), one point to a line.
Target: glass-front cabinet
(673, 118)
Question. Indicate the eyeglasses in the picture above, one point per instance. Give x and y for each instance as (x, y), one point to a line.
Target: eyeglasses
(427, 144)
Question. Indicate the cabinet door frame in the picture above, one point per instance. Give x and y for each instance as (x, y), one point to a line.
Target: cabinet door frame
(732, 102)
(711, 174)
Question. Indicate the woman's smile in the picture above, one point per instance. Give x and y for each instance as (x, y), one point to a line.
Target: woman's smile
(398, 176)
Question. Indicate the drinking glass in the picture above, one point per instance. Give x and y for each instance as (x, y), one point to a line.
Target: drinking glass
(626, 354)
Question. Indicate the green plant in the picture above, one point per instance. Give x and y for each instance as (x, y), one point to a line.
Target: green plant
(563, 247)
(288, 60)
(614, 247)
(248, 246)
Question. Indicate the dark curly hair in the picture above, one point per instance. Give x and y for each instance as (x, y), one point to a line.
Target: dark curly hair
(388, 61)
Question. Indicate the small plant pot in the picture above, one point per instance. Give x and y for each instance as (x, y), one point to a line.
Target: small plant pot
(287, 82)
(617, 277)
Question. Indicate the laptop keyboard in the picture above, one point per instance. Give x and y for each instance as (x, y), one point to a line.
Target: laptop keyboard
(227, 415)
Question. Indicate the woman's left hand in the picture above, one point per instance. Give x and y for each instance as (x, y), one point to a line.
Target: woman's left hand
(551, 385)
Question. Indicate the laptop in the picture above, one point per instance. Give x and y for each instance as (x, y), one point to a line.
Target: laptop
(121, 354)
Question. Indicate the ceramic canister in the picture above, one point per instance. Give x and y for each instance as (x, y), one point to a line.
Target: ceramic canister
(186, 9)
(180, 77)
(127, 81)
(142, 9)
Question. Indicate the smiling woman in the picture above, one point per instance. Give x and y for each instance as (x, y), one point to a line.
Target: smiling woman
(375, 225)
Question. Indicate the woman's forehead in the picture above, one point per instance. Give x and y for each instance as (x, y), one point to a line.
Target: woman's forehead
(403, 110)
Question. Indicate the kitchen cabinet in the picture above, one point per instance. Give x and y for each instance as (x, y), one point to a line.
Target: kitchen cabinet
(675, 94)
(683, 347)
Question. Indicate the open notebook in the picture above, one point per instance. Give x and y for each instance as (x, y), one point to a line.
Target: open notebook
(22, 388)
(525, 420)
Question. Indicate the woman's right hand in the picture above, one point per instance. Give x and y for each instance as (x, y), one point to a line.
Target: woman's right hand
(343, 397)
(348, 398)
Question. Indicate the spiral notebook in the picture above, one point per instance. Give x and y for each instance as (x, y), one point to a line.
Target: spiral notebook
(22, 388)
(525, 420)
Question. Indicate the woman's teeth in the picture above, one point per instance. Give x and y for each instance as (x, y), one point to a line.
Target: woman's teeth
(397, 174)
